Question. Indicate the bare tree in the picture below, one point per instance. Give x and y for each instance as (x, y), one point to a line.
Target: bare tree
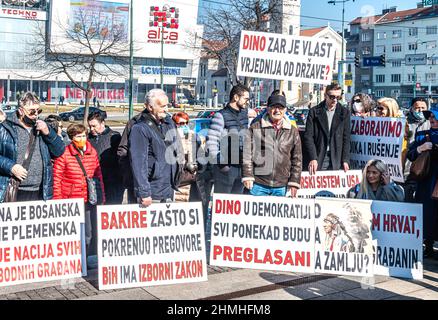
(221, 38)
(89, 45)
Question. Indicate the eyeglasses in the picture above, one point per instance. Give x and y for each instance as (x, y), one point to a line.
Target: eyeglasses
(181, 123)
(332, 97)
(357, 100)
(380, 108)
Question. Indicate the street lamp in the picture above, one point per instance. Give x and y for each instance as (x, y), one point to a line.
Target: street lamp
(340, 63)
(131, 59)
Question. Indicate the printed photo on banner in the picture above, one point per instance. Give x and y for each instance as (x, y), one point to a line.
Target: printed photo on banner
(158, 245)
(378, 138)
(41, 241)
(398, 231)
(343, 240)
(284, 57)
(267, 233)
(328, 183)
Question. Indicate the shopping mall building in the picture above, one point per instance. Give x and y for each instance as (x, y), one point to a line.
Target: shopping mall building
(19, 19)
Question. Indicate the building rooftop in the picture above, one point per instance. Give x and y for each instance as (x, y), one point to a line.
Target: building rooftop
(398, 16)
(311, 32)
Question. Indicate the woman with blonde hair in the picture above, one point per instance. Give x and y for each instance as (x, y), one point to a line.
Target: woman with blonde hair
(388, 107)
(376, 184)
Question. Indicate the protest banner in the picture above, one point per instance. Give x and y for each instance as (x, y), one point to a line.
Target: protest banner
(343, 241)
(269, 233)
(398, 231)
(285, 57)
(41, 241)
(378, 138)
(328, 183)
(158, 245)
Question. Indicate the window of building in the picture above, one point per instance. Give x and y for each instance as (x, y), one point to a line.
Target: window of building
(413, 46)
(291, 30)
(380, 93)
(430, 76)
(366, 50)
(381, 35)
(396, 78)
(396, 33)
(396, 63)
(411, 77)
(395, 93)
(380, 49)
(413, 32)
(431, 45)
(289, 85)
(431, 30)
(365, 77)
(396, 48)
(380, 78)
(366, 36)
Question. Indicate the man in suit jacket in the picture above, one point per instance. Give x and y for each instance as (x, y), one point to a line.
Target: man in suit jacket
(327, 135)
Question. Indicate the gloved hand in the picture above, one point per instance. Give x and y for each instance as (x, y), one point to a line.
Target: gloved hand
(424, 147)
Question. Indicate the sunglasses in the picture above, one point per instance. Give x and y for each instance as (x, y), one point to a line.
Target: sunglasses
(181, 123)
(332, 97)
(33, 112)
(380, 108)
(357, 100)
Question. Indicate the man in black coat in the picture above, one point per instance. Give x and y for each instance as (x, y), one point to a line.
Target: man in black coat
(327, 135)
(106, 142)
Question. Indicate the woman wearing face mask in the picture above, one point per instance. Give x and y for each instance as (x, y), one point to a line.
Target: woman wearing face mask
(361, 105)
(69, 180)
(427, 141)
(376, 184)
(187, 181)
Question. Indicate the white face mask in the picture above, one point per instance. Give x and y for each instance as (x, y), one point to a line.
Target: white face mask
(358, 107)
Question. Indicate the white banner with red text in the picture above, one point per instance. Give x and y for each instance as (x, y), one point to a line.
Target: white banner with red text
(41, 241)
(378, 138)
(285, 57)
(158, 245)
(328, 183)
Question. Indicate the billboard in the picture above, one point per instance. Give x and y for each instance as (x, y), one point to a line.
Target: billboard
(23, 9)
(172, 22)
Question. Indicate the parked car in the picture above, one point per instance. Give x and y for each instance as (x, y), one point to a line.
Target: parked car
(78, 113)
(300, 116)
(206, 114)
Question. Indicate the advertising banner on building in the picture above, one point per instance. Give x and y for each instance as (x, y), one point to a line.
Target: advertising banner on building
(158, 245)
(343, 240)
(328, 183)
(268, 233)
(284, 57)
(76, 95)
(398, 232)
(378, 138)
(41, 241)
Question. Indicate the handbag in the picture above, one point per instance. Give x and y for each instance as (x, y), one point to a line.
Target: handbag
(420, 167)
(12, 188)
(94, 191)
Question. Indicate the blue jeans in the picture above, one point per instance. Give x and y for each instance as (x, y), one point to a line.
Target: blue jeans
(260, 190)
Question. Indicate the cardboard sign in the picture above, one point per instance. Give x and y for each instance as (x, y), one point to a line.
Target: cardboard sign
(378, 138)
(328, 183)
(41, 241)
(398, 230)
(283, 57)
(157, 245)
(269, 233)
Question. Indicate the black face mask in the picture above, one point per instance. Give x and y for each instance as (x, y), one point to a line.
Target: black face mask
(29, 122)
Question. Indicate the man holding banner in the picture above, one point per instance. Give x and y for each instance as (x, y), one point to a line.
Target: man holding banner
(272, 157)
(327, 135)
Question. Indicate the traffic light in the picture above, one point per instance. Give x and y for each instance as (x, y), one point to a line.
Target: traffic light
(383, 60)
(357, 61)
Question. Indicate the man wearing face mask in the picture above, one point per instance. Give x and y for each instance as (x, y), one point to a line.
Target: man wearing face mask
(416, 122)
(26, 147)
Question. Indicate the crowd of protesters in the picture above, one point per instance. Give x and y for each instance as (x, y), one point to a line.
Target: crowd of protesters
(241, 153)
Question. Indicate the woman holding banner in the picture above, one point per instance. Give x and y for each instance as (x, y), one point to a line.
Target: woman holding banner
(376, 184)
(426, 144)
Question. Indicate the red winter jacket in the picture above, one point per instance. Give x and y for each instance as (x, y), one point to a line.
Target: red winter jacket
(68, 179)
